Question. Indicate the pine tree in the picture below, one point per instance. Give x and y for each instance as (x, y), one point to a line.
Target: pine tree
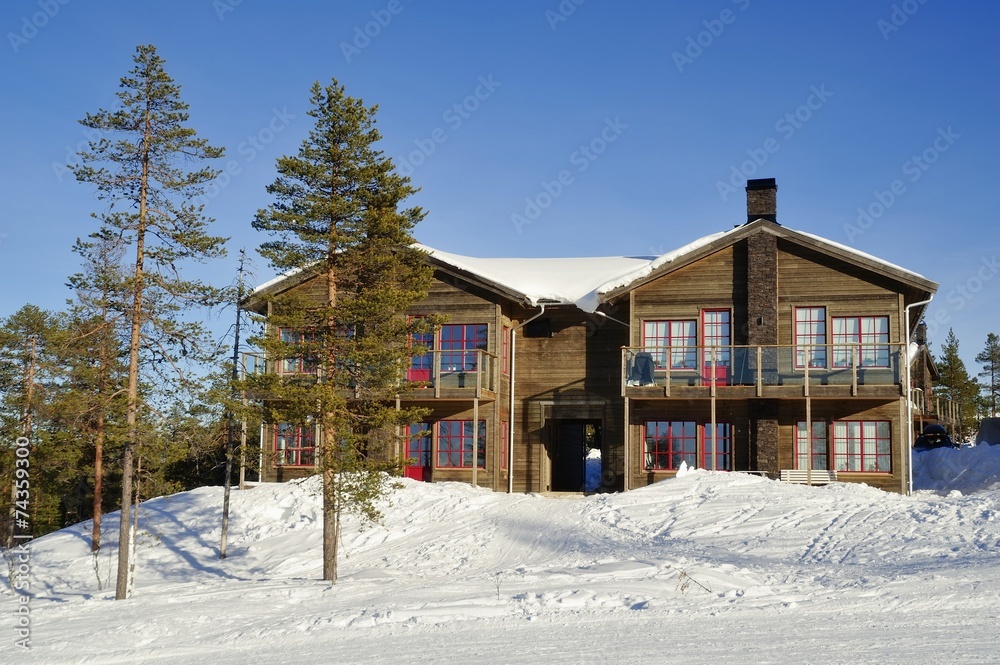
(989, 358)
(94, 356)
(141, 169)
(337, 214)
(955, 383)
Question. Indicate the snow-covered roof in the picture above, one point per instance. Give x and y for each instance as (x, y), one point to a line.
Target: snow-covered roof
(585, 282)
(568, 281)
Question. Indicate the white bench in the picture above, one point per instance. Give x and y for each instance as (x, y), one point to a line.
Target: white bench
(819, 477)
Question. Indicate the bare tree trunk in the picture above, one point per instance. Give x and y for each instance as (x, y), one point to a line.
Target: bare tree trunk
(331, 497)
(331, 526)
(95, 538)
(132, 397)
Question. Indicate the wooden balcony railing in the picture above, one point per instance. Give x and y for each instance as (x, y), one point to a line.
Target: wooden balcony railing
(456, 373)
(720, 367)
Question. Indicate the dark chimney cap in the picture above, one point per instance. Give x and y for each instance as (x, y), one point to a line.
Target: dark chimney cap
(762, 183)
(762, 200)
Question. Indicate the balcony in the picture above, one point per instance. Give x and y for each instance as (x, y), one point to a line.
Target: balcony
(830, 370)
(434, 375)
(455, 374)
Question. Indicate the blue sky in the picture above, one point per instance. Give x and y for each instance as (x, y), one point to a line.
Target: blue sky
(548, 128)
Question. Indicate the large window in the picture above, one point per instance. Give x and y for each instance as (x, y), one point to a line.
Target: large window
(669, 442)
(868, 334)
(810, 336)
(811, 449)
(862, 445)
(455, 444)
(294, 445)
(459, 344)
(679, 336)
(303, 361)
(723, 447)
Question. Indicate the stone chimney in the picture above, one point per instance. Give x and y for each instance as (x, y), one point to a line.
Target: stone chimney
(762, 200)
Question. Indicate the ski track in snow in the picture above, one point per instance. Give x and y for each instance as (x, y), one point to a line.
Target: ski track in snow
(705, 567)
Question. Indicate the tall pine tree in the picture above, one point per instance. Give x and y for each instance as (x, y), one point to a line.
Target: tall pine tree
(989, 358)
(142, 168)
(337, 213)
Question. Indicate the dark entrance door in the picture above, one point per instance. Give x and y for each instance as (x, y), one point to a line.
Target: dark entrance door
(573, 438)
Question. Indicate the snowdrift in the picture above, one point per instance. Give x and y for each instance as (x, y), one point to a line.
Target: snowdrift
(720, 567)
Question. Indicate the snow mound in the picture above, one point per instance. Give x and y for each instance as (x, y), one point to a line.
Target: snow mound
(967, 470)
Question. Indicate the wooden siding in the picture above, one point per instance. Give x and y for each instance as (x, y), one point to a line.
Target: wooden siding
(808, 278)
(573, 375)
(717, 281)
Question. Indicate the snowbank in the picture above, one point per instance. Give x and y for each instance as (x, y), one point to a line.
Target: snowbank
(966, 470)
(707, 567)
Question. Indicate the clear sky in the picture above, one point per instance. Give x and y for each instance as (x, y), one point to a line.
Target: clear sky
(548, 127)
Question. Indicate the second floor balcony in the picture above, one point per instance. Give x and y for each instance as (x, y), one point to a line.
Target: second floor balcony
(829, 370)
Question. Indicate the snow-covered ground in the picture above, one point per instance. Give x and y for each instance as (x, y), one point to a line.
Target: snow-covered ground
(705, 568)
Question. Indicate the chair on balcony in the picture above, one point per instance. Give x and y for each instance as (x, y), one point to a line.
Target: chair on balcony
(641, 373)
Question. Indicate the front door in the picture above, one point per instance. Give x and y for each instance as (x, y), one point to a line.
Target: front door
(418, 452)
(573, 441)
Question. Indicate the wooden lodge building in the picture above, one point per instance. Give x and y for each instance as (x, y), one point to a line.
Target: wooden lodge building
(759, 349)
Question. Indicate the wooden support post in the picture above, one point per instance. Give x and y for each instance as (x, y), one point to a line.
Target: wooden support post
(436, 376)
(808, 361)
(854, 371)
(809, 441)
(475, 442)
(627, 447)
(760, 372)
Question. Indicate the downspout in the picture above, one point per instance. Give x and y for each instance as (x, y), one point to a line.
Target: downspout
(510, 428)
(909, 400)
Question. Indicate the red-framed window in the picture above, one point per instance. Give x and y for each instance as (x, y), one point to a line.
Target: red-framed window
(811, 448)
(810, 330)
(862, 445)
(504, 443)
(716, 333)
(421, 366)
(294, 445)
(455, 444)
(505, 350)
(300, 363)
(723, 446)
(670, 442)
(419, 444)
(868, 334)
(459, 342)
(681, 336)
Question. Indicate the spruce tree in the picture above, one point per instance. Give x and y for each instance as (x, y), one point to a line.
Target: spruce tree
(148, 168)
(989, 358)
(337, 214)
(955, 383)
